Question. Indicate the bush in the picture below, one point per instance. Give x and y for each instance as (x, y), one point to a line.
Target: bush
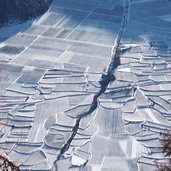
(166, 149)
(7, 165)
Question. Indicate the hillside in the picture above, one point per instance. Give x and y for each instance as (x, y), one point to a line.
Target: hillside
(87, 87)
(21, 10)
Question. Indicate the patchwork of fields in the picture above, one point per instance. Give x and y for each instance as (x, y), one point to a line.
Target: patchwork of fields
(60, 110)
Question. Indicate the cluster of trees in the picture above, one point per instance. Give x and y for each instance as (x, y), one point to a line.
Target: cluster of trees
(21, 9)
(4, 11)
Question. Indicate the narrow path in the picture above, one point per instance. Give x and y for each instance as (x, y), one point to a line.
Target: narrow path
(106, 78)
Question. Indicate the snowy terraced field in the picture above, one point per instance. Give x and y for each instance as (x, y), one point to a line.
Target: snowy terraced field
(87, 86)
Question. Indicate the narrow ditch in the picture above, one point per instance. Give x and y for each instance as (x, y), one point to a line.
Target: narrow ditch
(106, 78)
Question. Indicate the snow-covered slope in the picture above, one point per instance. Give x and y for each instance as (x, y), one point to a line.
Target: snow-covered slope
(87, 86)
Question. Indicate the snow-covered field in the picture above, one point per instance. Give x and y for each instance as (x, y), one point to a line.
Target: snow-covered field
(61, 107)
